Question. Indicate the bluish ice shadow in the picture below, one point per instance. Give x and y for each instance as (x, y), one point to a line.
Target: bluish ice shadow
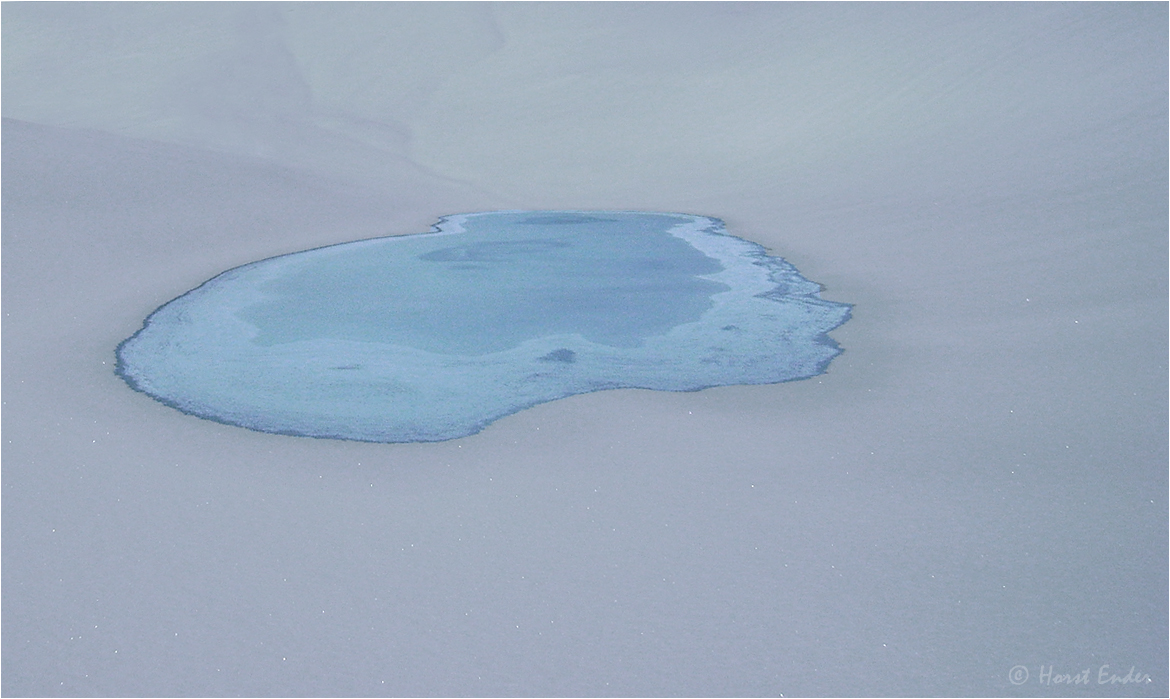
(434, 336)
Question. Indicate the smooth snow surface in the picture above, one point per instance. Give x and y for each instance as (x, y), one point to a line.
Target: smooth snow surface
(977, 484)
(431, 337)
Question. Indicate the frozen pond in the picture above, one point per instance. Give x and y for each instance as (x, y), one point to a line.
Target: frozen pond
(431, 337)
(970, 501)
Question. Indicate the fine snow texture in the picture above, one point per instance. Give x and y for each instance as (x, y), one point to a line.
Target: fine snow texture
(977, 483)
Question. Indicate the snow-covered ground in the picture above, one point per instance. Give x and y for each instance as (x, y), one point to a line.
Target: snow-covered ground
(978, 483)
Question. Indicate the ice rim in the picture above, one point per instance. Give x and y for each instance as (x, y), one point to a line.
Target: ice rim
(193, 353)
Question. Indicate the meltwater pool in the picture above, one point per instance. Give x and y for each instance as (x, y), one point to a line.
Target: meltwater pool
(433, 336)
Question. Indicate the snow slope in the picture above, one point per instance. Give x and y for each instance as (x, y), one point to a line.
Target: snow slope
(978, 483)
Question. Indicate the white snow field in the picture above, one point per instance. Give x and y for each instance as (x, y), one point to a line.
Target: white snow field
(971, 501)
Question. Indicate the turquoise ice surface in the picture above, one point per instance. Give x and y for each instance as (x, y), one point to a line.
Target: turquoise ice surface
(433, 336)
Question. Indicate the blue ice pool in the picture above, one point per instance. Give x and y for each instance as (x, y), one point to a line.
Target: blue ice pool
(433, 336)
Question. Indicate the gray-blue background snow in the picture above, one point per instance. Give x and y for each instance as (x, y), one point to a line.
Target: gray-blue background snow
(979, 482)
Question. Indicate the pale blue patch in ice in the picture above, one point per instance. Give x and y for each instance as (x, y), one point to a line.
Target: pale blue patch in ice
(433, 336)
